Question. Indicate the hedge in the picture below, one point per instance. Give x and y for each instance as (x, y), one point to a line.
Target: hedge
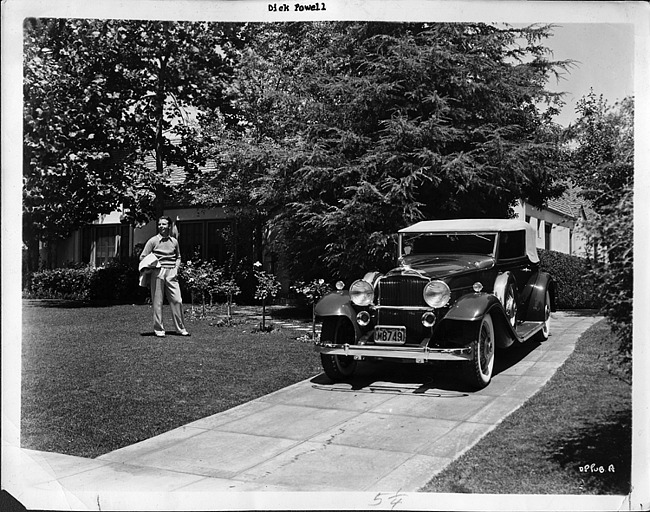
(116, 281)
(574, 288)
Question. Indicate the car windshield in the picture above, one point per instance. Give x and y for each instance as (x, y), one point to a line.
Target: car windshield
(448, 243)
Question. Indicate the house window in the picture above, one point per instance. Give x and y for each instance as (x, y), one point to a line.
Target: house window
(206, 240)
(102, 244)
(106, 245)
(190, 239)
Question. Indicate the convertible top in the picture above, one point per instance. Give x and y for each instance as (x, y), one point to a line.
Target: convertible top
(478, 226)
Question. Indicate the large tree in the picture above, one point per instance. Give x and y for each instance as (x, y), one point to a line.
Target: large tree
(360, 128)
(101, 98)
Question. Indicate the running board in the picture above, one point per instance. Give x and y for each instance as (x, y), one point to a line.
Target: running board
(527, 330)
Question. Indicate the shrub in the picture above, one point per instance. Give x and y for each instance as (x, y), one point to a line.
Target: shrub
(116, 281)
(267, 287)
(574, 285)
(613, 272)
(62, 283)
(312, 291)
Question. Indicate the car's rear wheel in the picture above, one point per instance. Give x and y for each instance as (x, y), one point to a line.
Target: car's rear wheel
(481, 365)
(510, 305)
(339, 331)
(545, 331)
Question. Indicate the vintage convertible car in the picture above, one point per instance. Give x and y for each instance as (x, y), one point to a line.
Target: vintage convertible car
(462, 288)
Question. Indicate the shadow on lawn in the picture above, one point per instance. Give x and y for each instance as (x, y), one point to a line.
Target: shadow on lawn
(78, 304)
(581, 312)
(607, 445)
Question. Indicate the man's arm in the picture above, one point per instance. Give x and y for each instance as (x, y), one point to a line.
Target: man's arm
(148, 247)
(178, 255)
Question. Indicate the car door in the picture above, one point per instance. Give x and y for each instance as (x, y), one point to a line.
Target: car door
(511, 257)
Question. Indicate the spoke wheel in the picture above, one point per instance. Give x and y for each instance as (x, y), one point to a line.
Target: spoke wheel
(482, 364)
(339, 331)
(545, 332)
(510, 305)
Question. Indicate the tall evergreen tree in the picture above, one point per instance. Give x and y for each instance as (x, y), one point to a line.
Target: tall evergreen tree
(358, 129)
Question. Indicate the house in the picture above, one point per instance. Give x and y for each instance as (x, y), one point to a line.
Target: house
(205, 232)
(560, 225)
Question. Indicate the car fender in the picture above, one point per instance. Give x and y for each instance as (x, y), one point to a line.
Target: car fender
(338, 304)
(535, 311)
(474, 307)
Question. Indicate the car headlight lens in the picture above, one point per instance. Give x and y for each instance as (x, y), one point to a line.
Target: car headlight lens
(436, 294)
(361, 293)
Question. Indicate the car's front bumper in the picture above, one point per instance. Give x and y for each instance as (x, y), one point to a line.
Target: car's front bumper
(418, 354)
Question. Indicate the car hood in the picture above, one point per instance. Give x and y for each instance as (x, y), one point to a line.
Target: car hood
(441, 265)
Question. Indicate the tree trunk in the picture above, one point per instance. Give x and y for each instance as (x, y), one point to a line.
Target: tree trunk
(263, 314)
(160, 103)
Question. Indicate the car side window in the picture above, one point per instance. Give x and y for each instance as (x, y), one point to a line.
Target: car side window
(512, 244)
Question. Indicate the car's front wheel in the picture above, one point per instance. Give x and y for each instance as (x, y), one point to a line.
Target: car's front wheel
(481, 365)
(339, 331)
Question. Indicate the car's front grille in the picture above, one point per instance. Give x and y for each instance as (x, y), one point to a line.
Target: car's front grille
(402, 291)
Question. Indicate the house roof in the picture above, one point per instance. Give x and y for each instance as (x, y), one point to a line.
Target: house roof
(177, 174)
(565, 207)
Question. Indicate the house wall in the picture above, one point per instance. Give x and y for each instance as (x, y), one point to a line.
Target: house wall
(562, 228)
(143, 233)
(69, 250)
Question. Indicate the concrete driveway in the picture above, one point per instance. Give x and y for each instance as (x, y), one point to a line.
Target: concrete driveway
(391, 429)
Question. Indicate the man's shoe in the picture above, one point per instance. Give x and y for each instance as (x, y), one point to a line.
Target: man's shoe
(160, 334)
(183, 333)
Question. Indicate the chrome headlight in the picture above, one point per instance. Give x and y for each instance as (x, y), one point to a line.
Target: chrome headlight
(362, 293)
(436, 294)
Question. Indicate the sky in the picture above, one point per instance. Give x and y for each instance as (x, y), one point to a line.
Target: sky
(604, 55)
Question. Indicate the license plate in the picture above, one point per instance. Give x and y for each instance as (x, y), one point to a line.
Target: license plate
(390, 334)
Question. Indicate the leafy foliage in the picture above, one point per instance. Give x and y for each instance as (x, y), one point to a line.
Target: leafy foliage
(115, 281)
(614, 275)
(206, 278)
(268, 287)
(102, 96)
(312, 291)
(574, 283)
(603, 162)
(351, 130)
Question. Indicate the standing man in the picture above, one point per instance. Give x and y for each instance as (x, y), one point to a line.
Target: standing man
(164, 279)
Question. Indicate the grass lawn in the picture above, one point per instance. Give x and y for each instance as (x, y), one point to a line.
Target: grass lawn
(95, 379)
(582, 416)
